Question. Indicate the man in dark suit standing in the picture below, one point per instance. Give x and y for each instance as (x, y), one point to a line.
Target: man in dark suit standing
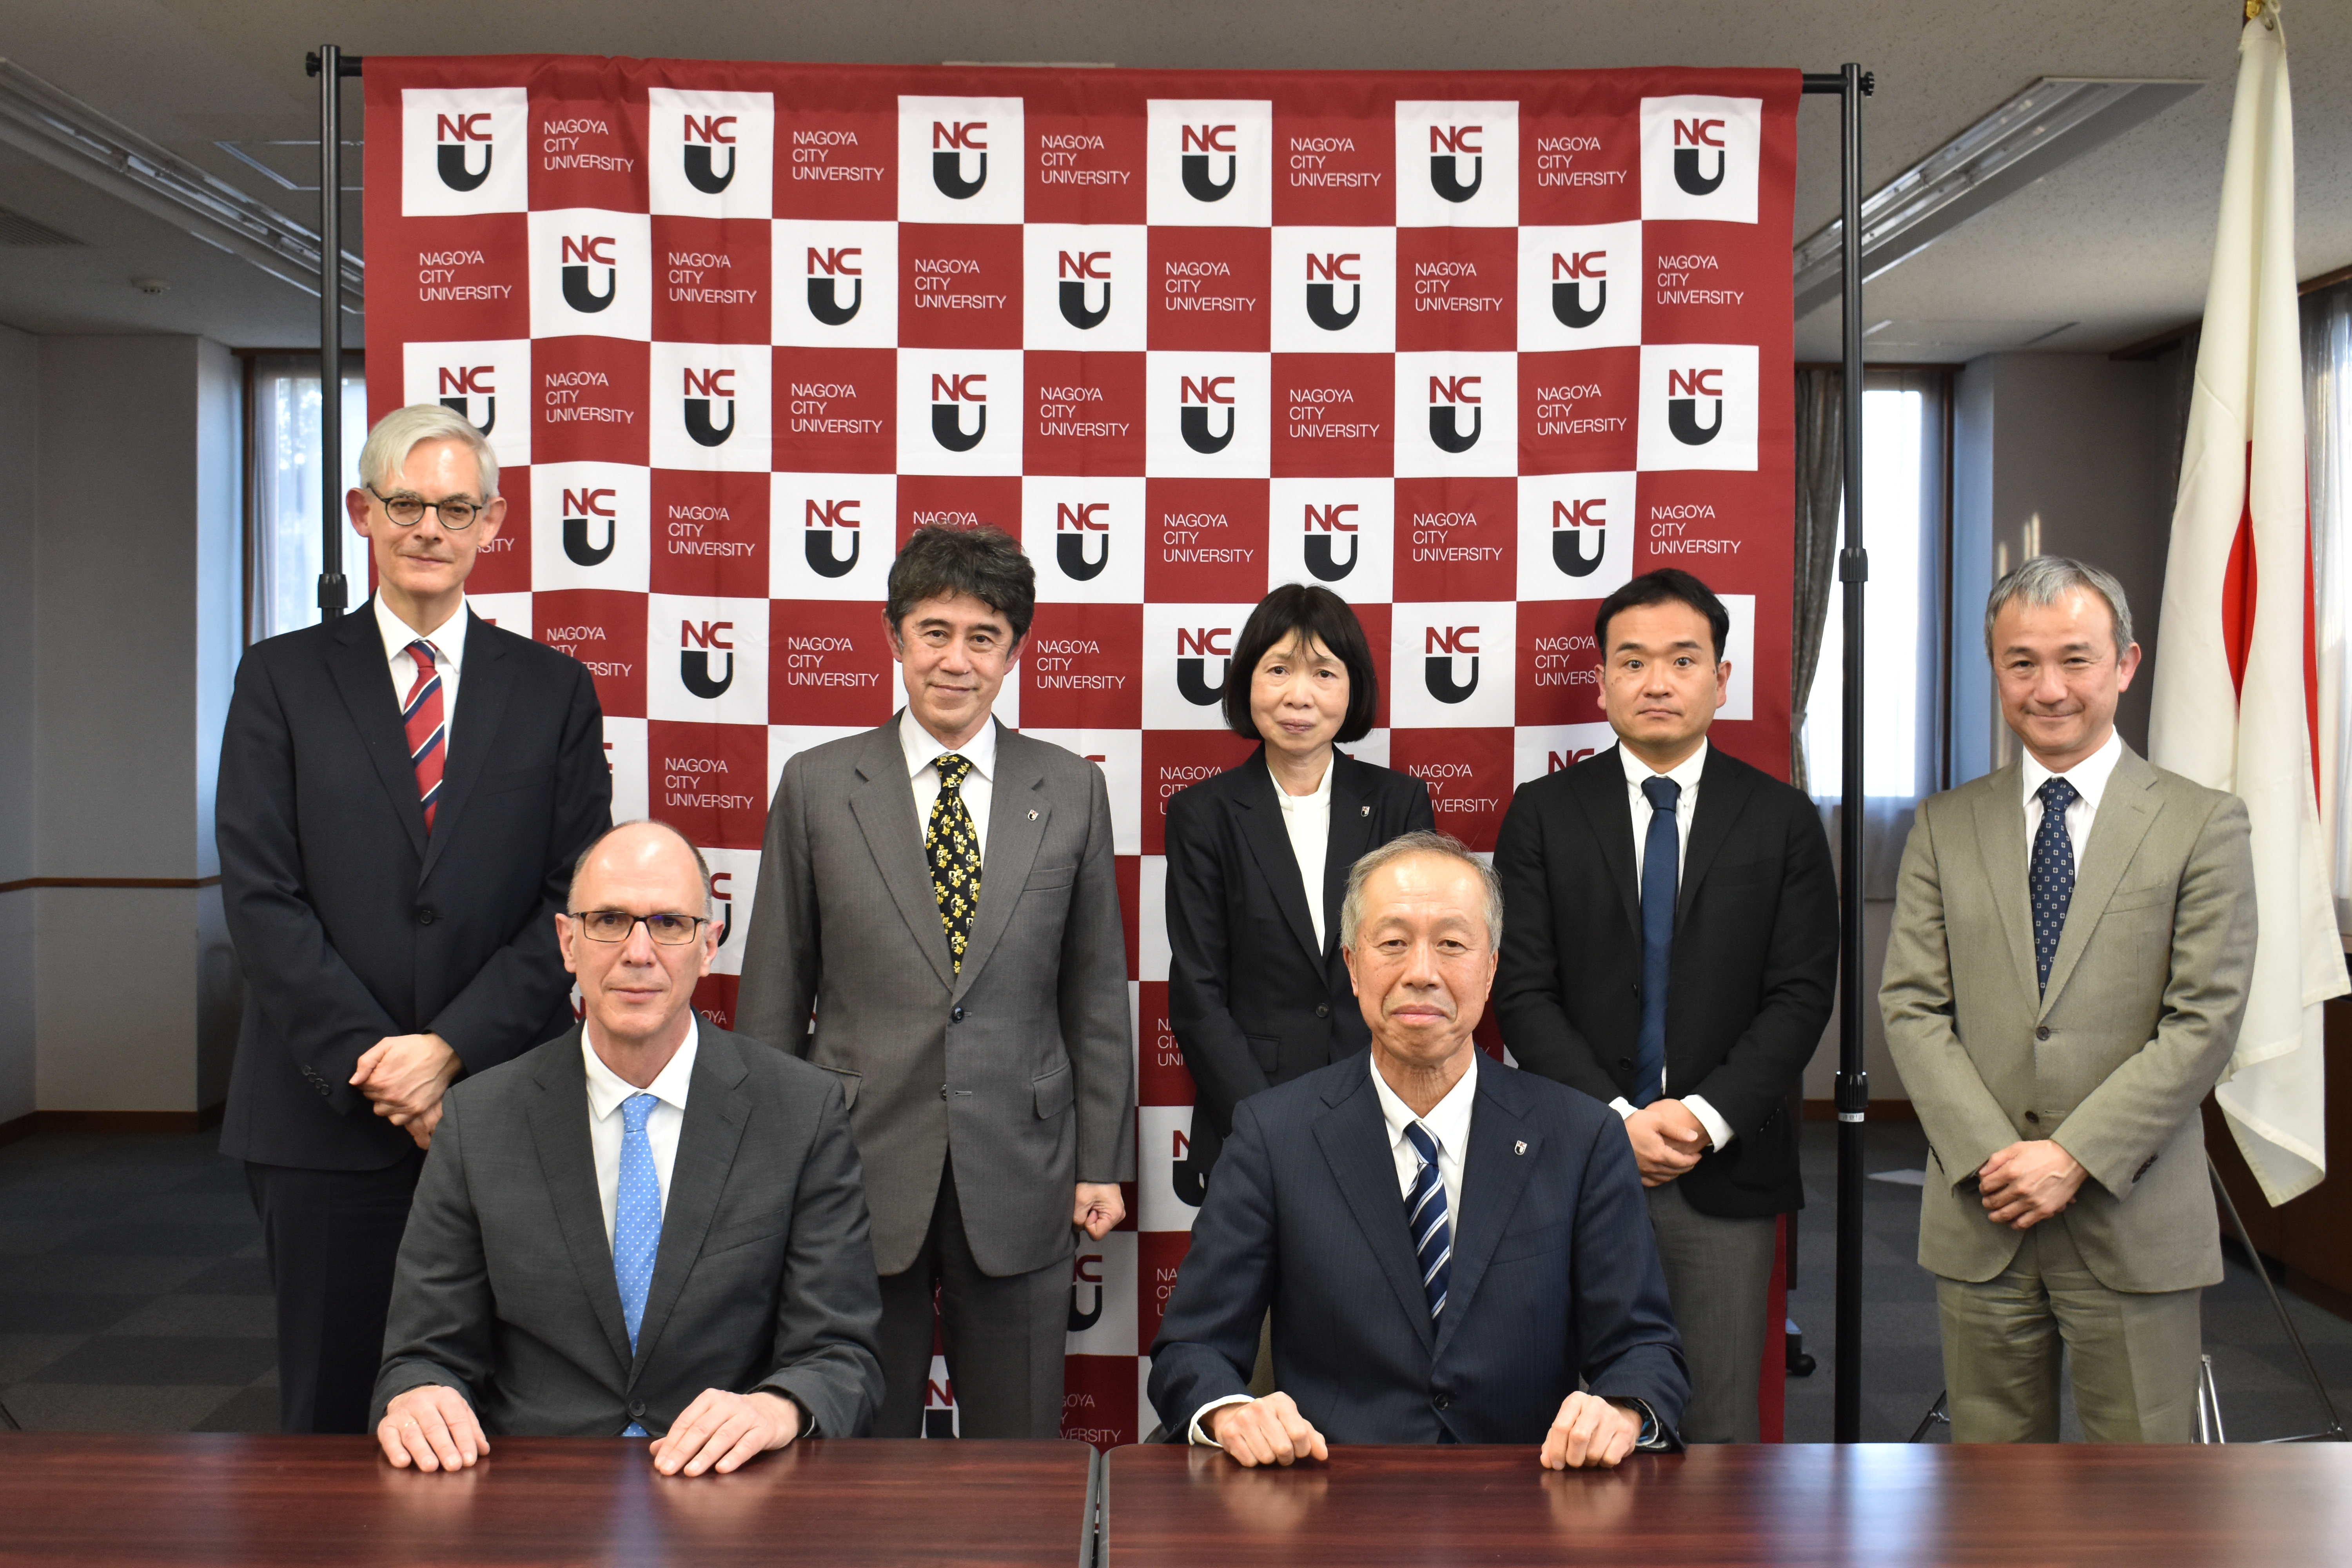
(938, 893)
(1672, 952)
(646, 1226)
(1449, 1246)
(392, 861)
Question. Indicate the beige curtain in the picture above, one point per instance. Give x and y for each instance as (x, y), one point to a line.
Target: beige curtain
(1821, 458)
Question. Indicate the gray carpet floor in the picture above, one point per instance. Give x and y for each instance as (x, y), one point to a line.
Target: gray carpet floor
(133, 1297)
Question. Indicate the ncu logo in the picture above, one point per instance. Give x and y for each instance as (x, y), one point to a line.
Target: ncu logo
(949, 140)
(949, 394)
(579, 254)
(1209, 139)
(1683, 389)
(1078, 268)
(1085, 1317)
(724, 896)
(824, 517)
(464, 382)
(1699, 134)
(1323, 298)
(1440, 645)
(1322, 554)
(827, 268)
(1195, 398)
(454, 132)
(703, 387)
(694, 662)
(1071, 526)
(713, 131)
(579, 508)
(1573, 522)
(1186, 1175)
(1447, 144)
(1448, 396)
(1568, 292)
(1195, 646)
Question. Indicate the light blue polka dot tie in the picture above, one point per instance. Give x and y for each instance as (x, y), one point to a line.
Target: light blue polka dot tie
(636, 1220)
(2050, 879)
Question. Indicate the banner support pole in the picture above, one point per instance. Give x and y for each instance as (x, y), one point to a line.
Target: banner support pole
(331, 66)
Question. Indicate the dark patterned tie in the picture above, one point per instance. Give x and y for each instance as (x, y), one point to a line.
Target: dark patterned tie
(2050, 879)
(1661, 849)
(952, 844)
(1425, 1217)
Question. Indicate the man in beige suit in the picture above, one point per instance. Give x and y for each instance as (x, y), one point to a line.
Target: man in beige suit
(2073, 939)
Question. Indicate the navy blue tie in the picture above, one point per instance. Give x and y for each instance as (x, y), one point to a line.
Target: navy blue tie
(2050, 879)
(1661, 852)
(1425, 1217)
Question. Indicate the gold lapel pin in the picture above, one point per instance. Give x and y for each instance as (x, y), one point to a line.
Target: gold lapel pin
(1519, 1148)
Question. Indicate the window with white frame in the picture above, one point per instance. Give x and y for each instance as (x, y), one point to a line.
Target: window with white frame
(287, 545)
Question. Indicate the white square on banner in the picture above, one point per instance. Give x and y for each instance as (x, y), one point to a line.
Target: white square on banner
(1120, 754)
(1739, 647)
(1151, 905)
(1698, 406)
(1452, 665)
(830, 535)
(1576, 534)
(1373, 748)
(706, 659)
(508, 612)
(710, 154)
(961, 411)
(1169, 1186)
(1207, 415)
(712, 407)
(1334, 290)
(1187, 658)
(1457, 164)
(1210, 163)
(1457, 413)
(591, 274)
(1581, 287)
(464, 151)
(1085, 537)
(962, 160)
(625, 752)
(1086, 287)
(1700, 157)
(1102, 1296)
(734, 878)
(836, 284)
(470, 379)
(591, 526)
(1340, 534)
(1537, 750)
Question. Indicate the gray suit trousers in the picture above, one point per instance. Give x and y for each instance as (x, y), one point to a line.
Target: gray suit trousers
(1719, 1274)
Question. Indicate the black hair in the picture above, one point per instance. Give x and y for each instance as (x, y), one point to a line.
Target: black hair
(985, 562)
(1296, 609)
(1667, 585)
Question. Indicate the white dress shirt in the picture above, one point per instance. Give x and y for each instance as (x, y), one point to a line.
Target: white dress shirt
(1686, 773)
(1308, 817)
(448, 640)
(606, 1127)
(2089, 778)
(923, 752)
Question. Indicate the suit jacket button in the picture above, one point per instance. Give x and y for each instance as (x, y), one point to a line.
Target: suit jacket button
(638, 1407)
(425, 915)
(2033, 1117)
(2042, 1033)
(943, 1092)
(957, 1015)
(1445, 1402)
(1322, 1009)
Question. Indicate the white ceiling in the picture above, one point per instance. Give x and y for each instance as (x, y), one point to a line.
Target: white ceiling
(2116, 243)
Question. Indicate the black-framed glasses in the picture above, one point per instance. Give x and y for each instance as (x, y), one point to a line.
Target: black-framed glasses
(457, 514)
(615, 925)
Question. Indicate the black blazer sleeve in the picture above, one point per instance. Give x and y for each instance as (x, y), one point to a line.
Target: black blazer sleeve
(443, 1309)
(829, 1304)
(1201, 961)
(1528, 983)
(1208, 1337)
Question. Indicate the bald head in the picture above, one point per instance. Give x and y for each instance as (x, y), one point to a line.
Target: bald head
(635, 848)
(638, 988)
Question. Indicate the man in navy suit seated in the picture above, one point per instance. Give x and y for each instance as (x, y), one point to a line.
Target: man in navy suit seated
(1448, 1245)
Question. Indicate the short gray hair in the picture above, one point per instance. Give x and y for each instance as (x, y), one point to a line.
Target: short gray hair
(580, 865)
(1442, 845)
(403, 430)
(2042, 579)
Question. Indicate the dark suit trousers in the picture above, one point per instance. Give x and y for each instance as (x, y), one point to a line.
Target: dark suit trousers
(333, 1237)
(1004, 1336)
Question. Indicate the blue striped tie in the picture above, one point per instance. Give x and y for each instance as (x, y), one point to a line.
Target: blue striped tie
(1424, 1216)
(636, 1220)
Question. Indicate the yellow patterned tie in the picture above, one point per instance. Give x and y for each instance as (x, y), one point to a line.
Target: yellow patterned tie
(952, 844)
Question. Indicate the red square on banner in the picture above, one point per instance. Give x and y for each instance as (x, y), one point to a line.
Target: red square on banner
(1712, 283)
(1099, 1400)
(1457, 288)
(1333, 168)
(1205, 541)
(1377, 621)
(1580, 156)
(1084, 667)
(1210, 288)
(593, 394)
(604, 629)
(1579, 411)
(829, 663)
(1559, 663)
(1173, 759)
(714, 997)
(710, 280)
(1457, 539)
(587, 146)
(959, 285)
(1086, 413)
(1085, 168)
(1730, 528)
(1334, 415)
(709, 781)
(449, 280)
(957, 501)
(1158, 1254)
(503, 565)
(838, 155)
(836, 410)
(1469, 777)
(1160, 1075)
(710, 533)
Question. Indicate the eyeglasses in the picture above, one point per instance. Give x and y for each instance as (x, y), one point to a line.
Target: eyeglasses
(616, 925)
(456, 515)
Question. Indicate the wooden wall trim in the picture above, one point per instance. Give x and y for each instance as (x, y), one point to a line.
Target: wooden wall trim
(179, 1122)
(21, 883)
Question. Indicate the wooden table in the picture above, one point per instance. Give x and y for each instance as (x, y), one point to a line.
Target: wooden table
(1875, 1504)
(186, 1500)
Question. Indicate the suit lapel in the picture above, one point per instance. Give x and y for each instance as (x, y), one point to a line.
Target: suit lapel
(2000, 846)
(1494, 1174)
(1598, 787)
(884, 805)
(1268, 838)
(558, 1133)
(1018, 816)
(1350, 840)
(1355, 1141)
(2125, 813)
(485, 683)
(716, 1112)
(1722, 795)
(358, 665)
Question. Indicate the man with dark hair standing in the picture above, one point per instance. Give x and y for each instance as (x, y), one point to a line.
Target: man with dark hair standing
(1671, 949)
(938, 894)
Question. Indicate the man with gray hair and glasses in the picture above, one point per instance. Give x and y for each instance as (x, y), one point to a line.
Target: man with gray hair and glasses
(392, 862)
(2073, 936)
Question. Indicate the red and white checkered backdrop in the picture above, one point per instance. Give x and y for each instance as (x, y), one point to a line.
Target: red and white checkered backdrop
(735, 330)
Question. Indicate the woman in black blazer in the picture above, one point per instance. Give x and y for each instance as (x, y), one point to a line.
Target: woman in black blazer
(1257, 990)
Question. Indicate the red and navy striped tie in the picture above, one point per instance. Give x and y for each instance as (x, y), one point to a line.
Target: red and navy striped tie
(421, 717)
